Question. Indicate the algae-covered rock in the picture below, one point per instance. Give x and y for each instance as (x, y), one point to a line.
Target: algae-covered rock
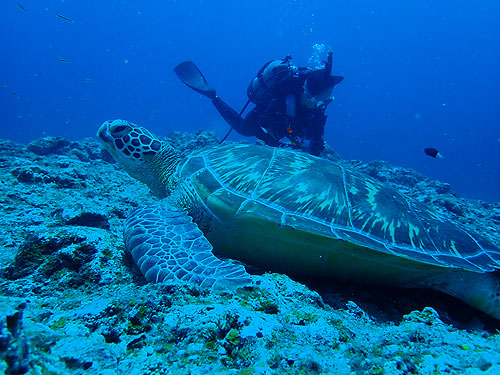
(48, 145)
(14, 347)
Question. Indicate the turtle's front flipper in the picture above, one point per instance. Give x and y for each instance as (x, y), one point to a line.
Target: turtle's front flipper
(166, 244)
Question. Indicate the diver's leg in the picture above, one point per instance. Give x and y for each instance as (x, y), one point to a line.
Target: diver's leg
(249, 126)
(232, 117)
(252, 126)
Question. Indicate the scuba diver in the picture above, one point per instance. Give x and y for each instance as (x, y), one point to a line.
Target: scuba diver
(289, 102)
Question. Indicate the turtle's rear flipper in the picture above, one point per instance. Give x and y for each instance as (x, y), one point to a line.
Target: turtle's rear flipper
(481, 290)
(189, 73)
(167, 245)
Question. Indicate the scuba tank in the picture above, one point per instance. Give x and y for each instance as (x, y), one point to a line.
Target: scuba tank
(271, 77)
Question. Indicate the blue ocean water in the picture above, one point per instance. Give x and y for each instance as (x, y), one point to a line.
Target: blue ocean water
(417, 74)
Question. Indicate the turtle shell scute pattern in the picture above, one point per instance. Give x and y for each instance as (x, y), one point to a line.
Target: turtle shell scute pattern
(326, 198)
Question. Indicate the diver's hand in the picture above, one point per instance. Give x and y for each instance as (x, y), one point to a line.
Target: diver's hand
(291, 146)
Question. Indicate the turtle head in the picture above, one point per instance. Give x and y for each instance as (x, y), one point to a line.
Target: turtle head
(143, 155)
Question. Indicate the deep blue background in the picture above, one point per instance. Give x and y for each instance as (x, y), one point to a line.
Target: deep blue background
(417, 74)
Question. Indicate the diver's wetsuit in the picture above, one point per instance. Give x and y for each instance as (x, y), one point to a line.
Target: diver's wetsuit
(279, 117)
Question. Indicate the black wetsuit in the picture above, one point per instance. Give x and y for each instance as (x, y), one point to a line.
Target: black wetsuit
(270, 120)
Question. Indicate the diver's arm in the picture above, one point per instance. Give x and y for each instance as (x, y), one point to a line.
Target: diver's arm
(317, 134)
(290, 103)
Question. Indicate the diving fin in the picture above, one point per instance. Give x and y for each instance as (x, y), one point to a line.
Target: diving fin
(189, 73)
(328, 69)
(328, 63)
(337, 80)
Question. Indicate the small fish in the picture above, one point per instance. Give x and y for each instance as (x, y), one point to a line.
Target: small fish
(431, 151)
(88, 80)
(2, 84)
(65, 18)
(21, 7)
(15, 94)
(64, 61)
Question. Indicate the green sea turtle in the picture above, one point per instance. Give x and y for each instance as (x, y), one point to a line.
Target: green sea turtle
(293, 213)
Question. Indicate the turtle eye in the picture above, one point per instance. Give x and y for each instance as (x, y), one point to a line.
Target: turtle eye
(118, 130)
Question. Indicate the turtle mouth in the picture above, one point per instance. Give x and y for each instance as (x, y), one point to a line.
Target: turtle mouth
(103, 133)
